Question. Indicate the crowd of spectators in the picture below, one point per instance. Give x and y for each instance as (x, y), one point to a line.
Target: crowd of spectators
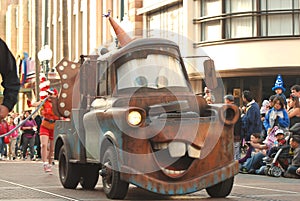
(23, 143)
(263, 130)
(267, 128)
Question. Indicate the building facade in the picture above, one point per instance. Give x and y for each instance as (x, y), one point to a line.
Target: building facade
(69, 27)
(251, 41)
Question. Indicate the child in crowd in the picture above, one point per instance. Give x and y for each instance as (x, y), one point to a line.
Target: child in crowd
(265, 106)
(13, 138)
(245, 162)
(277, 116)
(280, 141)
(263, 110)
(279, 89)
(3, 146)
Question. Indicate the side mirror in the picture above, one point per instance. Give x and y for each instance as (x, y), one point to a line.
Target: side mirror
(210, 74)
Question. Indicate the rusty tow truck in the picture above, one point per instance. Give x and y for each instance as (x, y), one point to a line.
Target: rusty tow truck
(132, 118)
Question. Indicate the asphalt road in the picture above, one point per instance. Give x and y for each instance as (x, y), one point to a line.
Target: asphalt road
(25, 180)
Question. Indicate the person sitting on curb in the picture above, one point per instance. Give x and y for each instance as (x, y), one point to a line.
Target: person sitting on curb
(293, 170)
(249, 159)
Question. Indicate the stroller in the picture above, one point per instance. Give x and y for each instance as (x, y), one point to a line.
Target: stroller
(282, 158)
(279, 162)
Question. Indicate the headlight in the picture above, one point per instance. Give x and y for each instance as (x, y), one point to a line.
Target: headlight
(134, 118)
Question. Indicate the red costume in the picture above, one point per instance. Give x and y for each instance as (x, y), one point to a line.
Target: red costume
(49, 117)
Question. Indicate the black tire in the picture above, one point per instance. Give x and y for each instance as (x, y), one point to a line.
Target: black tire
(275, 171)
(68, 172)
(89, 177)
(113, 186)
(222, 189)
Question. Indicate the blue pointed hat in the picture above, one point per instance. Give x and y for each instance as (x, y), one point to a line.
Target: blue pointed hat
(279, 84)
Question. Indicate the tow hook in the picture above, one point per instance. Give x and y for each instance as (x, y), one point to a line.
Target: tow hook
(103, 172)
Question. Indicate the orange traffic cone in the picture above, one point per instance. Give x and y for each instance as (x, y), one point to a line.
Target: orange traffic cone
(122, 36)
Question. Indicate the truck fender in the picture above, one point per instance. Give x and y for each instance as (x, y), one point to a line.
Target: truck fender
(109, 139)
(61, 140)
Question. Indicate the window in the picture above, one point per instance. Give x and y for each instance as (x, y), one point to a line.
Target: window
(277, 4)
(234, 6)
(277, 25)
(166, 71)
(244, 25)
(241, 27)
(211, 31)
(279, 18)
(221, 19)
(211, 7)
(297, 24)
(102, 82)
(167, 23)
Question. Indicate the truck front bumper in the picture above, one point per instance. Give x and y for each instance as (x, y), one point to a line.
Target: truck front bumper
(173, 187)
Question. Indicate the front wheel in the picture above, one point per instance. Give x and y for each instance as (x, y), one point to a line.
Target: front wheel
(68, 172)
(275, 171)
(113, 186)
(221, 190)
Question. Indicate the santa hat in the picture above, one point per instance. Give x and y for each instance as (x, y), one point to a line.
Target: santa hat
(44, 86)
(278, 84)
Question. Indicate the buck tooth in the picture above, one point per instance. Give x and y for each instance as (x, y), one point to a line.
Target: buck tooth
(163, 145)
(159, 146)
(177, 149)
(193, 152)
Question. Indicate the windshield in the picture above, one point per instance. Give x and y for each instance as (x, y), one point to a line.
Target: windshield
(155, 71)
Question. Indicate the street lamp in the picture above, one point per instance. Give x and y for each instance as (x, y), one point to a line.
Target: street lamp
(44, 55)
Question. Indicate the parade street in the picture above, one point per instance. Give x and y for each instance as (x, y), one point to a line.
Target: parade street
(25, 180)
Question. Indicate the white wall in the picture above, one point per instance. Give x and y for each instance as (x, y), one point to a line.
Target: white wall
(275, 53)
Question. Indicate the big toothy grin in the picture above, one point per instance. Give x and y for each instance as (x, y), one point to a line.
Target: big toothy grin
(174, 158)
(172, 172)
(178, 149)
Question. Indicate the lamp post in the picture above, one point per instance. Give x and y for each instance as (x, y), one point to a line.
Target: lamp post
(44, 55)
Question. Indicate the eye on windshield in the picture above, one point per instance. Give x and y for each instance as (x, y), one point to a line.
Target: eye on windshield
(155, 71)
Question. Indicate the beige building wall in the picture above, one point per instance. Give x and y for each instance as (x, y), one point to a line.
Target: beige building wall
(3, 6)
(255, 54)
(11, 28)
(78, 28)
(73, 27)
